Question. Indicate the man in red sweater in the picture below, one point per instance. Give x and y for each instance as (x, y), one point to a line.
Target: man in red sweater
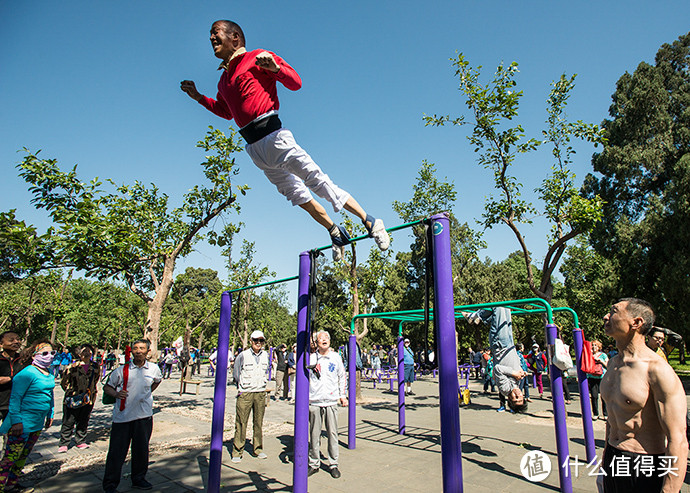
(247, 93)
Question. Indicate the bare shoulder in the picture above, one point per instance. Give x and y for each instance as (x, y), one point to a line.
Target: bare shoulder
(662, 377)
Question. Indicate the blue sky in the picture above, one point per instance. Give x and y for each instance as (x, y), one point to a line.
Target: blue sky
(97, 84)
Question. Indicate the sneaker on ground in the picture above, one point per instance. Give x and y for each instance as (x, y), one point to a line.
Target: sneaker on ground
(380, 235)
(312, 471)
(62, 449)
(501, 409)
(335, 473)
(83, 446)
(262, 455)
(236, 460)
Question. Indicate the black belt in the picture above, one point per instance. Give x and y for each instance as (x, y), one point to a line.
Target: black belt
(259, 129)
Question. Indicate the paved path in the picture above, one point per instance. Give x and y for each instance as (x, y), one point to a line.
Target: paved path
(383, 461)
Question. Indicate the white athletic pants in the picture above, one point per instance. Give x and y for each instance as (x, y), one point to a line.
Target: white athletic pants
(293, 171)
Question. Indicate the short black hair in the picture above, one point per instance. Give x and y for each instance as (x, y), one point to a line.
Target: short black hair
(643, 309)
(142, 341)
(232, 27)
(650, 333)
(2, 335)
(522, 408)
(88, 346)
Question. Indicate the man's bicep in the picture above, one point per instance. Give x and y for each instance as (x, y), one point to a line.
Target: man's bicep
(670, 401)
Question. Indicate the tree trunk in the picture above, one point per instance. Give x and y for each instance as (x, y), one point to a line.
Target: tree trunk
(66, 340)
(153, 319)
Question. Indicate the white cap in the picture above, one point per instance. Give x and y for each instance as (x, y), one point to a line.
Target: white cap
(257, 334)
(535, 345)
(406, 340)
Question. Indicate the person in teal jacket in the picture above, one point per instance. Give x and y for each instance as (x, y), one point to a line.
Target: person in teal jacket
(31, 410)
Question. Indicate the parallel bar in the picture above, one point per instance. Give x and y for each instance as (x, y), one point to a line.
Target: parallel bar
(390, 230)
(585, 404)
(301, 459)
(221, 380)
(559, 414)
(278, 281)
(444, 322)
(352, 391)
(401, 383)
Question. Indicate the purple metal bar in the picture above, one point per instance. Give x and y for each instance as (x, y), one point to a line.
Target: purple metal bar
(352, 391)
(559, 414)
(218, 419)
(585, 404)
(444, 322)
(401, 385)
(270, 363)
(301, 443)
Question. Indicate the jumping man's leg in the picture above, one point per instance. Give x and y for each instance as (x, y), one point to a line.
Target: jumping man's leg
(319, 214)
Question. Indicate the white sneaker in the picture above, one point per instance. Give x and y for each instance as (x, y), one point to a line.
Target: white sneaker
(262, 455)
(236, 460)
(380, 235)
(338, 252)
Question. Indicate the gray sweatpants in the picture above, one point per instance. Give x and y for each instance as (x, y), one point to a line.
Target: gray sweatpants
(317, 416)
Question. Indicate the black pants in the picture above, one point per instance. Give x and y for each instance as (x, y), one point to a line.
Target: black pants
(631, 481)
(138, 433)
(79, 416)
(594, 384)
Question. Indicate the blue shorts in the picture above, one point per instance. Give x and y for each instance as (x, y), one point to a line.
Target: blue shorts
(409, 373)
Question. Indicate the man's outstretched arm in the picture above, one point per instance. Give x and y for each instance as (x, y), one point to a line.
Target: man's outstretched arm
(216, 106)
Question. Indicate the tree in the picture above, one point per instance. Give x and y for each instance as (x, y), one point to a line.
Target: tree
(430, 195)
(643, 174)
(244, 273)
(591, 282)
(195, 296)
(499, 141)
(130, 233)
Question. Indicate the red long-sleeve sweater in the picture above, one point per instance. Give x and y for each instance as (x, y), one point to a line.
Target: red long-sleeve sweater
(246, 91)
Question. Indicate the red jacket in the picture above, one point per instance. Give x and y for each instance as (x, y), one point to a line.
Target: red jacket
(246, 91)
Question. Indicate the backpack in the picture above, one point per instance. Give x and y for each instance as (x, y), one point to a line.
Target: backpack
(538, 361)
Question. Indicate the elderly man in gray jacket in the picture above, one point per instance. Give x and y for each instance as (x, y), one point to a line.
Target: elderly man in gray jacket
(250, 374)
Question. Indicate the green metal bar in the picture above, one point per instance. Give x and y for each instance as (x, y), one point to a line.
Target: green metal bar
(418, 315)
(390, 230)
(263, 284)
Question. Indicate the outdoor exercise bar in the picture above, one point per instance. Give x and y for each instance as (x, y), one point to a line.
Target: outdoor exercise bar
(220, 384)
(558, 402)
(301, 442)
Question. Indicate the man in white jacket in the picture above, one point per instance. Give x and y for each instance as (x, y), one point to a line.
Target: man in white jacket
(250, 374)
(326, 389)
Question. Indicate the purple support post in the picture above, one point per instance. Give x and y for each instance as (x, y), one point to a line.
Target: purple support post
(444, 321)
(270, 363)
(218, 419)
(585, 405)
(559, 414)
(301, 443)
(401, 385)
(351, 391)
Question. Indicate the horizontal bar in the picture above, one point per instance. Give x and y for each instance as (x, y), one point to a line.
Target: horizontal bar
(418, 315)
(263, 284)
(390, 230)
